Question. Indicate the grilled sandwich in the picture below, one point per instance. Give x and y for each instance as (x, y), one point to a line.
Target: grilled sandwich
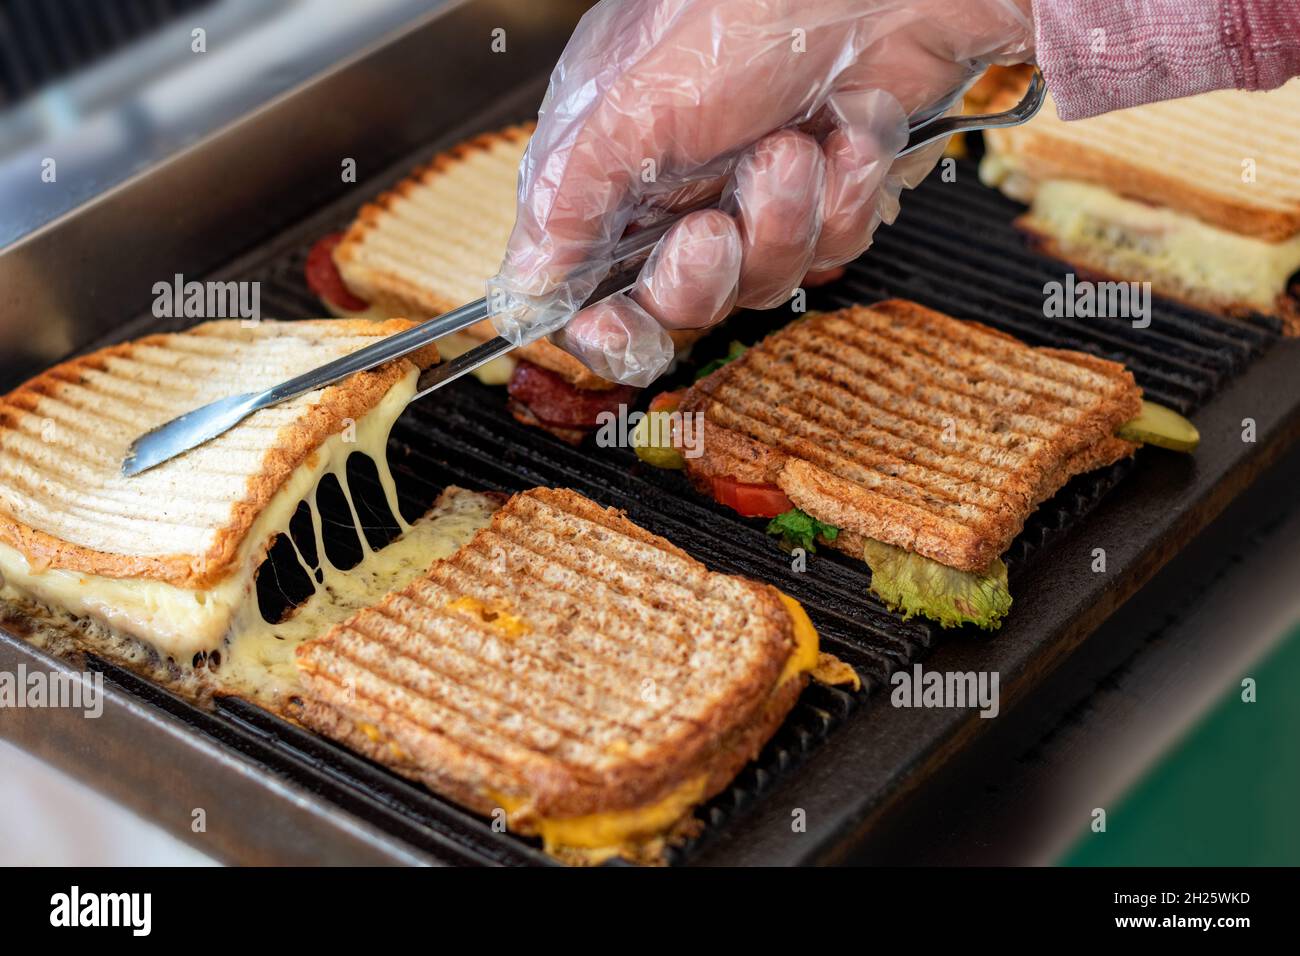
(430, 244)
(169, 556)
(915, 441)
(1198, 196)
(569, 670)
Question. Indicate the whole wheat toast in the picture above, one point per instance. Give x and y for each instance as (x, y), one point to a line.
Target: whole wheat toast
(898, 423)
(564, 663)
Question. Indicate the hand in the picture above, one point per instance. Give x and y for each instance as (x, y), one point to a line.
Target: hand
(795, 108)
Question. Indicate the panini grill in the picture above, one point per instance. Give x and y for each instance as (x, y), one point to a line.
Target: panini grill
(275, 792)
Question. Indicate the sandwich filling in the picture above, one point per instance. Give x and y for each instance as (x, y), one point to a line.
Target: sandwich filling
(181, 622)
(596, 837)
(1196, 195)
(257, 661)
(170, 557)
(1182, 256)
(907, 438)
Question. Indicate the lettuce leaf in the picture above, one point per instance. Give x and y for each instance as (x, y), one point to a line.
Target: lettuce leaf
(798, 529)
(734, 351)
(916, 585)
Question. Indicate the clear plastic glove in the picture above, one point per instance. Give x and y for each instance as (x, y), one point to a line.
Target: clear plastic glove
(796, 109)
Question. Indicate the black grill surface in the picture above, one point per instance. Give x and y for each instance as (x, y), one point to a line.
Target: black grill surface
(954, 248)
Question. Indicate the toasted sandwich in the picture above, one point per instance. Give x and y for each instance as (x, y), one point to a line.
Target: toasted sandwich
(256, 662)
(909, 439)
(169, 557)
(567, 669)
(430, 244)
(1198, 196)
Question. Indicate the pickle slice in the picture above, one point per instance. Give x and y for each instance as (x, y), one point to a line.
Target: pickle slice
(1160, 426)
(651, 441)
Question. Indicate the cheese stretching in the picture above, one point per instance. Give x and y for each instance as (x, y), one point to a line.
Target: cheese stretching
(569, 668)
(1179, 255)
(258, 658)
(170, 556)
(1197, 196)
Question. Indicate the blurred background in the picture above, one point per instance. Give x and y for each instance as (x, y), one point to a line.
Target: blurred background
(1146, 720)
(111, 87)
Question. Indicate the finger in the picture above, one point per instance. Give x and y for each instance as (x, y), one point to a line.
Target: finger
(820, 277)
(870, 129)
(911, 169)
(619, 341)
(777, 195)
(691, 277)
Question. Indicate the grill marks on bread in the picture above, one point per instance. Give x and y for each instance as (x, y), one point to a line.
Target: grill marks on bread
(63, 499)
(1185, 154)
(429, 244)
(910, 427)
(635, 668)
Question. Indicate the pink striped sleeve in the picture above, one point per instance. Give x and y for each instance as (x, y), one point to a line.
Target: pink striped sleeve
(1102, 55)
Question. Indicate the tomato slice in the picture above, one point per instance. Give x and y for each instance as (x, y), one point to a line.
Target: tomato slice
(323, 275)
(555, 401)
(752, 501)
(667, 401)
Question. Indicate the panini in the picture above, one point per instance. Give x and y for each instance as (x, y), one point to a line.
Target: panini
(899, 425)
(567, 668)
(430, 243)
(1199, 196)
(169, 556)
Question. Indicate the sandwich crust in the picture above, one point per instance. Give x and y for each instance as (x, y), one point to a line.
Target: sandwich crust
(600, 669)
(1186, 155)
(63, 435)
(412, 251)
(898, 423)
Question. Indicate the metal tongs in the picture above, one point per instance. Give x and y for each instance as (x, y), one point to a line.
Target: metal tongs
(203, 424)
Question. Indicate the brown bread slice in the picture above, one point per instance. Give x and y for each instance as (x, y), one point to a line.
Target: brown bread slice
(898, 423)
(564, 663)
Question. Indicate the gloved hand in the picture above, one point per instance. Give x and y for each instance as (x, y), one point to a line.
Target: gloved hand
(795, 108)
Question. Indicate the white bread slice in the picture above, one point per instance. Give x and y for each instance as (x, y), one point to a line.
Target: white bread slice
(1199, 196)
(168, 555)
(431, 243)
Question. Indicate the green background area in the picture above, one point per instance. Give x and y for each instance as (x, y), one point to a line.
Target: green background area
(1227, 794)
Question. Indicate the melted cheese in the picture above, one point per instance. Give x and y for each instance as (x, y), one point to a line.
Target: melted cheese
(1179, 254)
(503, 623)
(257, 656)
(258, 661)
(181, 622)
(606, 834)
(495, 372)
(806, 642)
